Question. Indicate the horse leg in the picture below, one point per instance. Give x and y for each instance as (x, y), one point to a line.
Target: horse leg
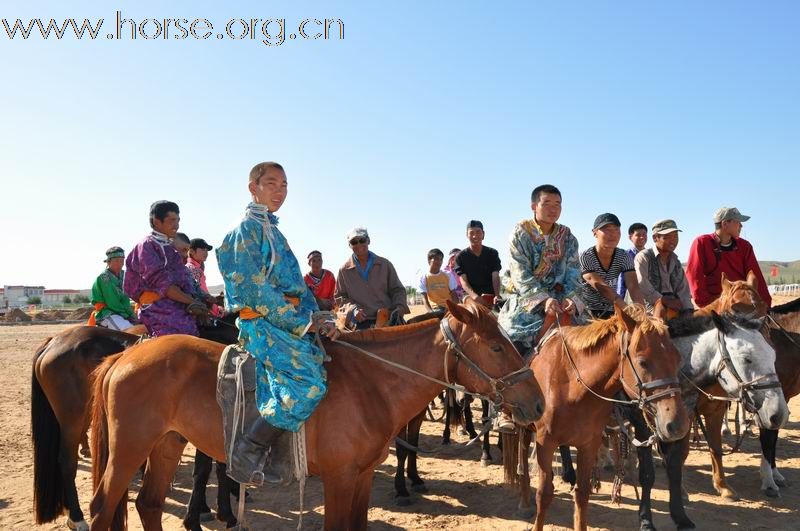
(587, 455)
(68, 465)
(769, 481)
(713, 418)
(525, 509)
(417, 484)
(358, 513)
(402, 497)
(675, 454)
(447, 410)
(225, 487)
(469, 426)
(339, 489)
(198, 511)
(161, 467)
(567, 469)
(647, 471)
(545, 489)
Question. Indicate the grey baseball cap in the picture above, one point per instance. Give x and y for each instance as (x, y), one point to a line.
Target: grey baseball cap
(357, 232)
(726, 213)
(665, 226)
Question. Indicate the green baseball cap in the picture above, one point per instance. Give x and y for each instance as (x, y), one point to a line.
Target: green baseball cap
(726, 213)
(665, 226)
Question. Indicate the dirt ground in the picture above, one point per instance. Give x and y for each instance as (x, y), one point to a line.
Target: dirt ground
(463, 495)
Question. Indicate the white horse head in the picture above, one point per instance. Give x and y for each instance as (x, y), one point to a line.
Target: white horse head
(731, 350)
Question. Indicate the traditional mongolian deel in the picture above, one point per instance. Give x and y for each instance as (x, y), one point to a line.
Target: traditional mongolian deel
(264, 283)
(152, 267)
(541, 267)
(107, 290)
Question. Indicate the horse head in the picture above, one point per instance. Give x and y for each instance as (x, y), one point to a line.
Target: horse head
(738, 296)
(487, 362)
(649, 369)
(744, 363)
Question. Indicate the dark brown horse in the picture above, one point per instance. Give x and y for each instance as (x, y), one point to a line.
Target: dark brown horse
(629, 352)
(60, 413)
(155, 396)
(60, 397)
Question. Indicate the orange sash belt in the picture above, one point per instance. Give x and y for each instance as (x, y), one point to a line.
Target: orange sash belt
(98, 306)
(248, 313)
(148, 297)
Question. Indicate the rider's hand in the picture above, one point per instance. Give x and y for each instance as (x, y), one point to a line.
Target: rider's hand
(329, 330)
(568, 306)
(197, 308)
(359, 315)
(552, 306)
(479, 300)
(673, 304)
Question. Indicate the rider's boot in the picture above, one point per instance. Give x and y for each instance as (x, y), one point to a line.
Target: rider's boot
(249, 455)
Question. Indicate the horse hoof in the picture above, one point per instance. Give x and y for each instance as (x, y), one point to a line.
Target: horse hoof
(780, 482)
(206, 516)
(486, 462)
(85, 452)
(445, 442)
(525, 513)
(647, 526)
(729, 494)
(421, 488)
(686, 524)
(402, 501)
(229, 519)
(772, 493)
(80, 525)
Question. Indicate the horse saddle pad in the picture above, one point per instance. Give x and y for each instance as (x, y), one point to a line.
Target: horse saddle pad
(236, 396)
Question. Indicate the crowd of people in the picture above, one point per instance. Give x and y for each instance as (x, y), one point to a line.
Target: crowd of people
(546, 278)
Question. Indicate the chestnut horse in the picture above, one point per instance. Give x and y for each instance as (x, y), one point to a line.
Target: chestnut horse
(153, 397)
(581, 368)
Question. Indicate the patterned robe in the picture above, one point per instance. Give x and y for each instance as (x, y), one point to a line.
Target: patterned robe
(541, 268)
(153, 266)
(263, 281)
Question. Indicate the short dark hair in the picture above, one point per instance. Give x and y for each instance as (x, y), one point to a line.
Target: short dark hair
(160, 209)
(434, 253)
(543, 189)
(636, 226)
(455, 250)
(474, 224)
(181, 237)
(261, 168)
(313, 253)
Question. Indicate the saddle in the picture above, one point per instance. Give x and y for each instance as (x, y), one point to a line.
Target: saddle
(236, 396)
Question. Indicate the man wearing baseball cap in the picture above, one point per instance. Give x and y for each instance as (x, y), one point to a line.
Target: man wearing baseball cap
(367, 283)
(722, 251)
(660, 272)
(112, 308)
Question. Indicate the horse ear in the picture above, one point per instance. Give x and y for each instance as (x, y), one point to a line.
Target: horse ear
(752, 281)
(726, 284)
(630, 323)
(459, 312)
(659, 312)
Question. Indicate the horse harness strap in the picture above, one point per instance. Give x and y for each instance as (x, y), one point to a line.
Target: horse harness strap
(498, 384)
(744, 387)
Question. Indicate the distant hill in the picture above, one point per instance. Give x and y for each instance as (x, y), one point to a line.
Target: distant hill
(788, 272)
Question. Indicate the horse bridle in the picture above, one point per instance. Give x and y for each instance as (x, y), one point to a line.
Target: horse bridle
(643, 401)
(743, 387)
(498, 385)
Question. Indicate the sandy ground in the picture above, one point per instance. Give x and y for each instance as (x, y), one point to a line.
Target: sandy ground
(463, 495)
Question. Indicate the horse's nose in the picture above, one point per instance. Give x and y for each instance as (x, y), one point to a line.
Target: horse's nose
(539, 409)
(775, 419)
(672, 428)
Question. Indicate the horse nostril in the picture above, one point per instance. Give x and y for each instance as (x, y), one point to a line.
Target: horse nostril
(775, 419)
(672, 427)
(539, 409)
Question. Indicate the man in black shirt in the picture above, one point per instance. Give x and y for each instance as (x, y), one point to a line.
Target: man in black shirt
(479, 267)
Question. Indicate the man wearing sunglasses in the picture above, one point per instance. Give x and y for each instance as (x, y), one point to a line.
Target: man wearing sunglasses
(367, 283)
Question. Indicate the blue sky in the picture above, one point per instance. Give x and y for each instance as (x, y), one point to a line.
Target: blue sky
(424, 116)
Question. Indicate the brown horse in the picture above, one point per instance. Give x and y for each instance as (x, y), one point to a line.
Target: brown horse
(155, 396)
(742, 296)
(60, 414)
(575, 366)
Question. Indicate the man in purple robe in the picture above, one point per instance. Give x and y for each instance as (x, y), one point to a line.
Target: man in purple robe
(157, 279)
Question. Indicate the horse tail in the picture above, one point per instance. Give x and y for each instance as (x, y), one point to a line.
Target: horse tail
(456, 413)
(511, 442)
(100, 445)
(48, 484)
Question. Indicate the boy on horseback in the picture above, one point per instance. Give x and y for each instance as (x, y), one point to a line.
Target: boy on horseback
(112, 307)
(264, 284)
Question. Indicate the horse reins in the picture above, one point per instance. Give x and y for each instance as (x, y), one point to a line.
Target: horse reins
(498, 385)
(743, 387)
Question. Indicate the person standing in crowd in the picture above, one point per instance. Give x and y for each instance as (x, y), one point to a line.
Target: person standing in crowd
(321, 282)
(637, 234)
(479, 266)
(436, 286)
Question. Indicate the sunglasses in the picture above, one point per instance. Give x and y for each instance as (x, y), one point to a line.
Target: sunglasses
(358, 241)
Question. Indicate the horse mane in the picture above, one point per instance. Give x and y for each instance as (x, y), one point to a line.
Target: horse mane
(383, 335)
(693, 325)
(789, 307)
(595, 333)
